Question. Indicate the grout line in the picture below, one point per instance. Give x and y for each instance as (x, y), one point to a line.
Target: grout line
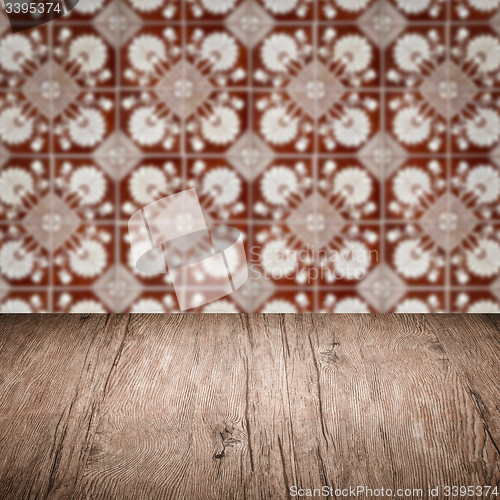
(117, 181)
(52, 175)
(448, 160)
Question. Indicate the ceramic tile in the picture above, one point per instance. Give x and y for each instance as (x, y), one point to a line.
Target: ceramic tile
(418, 190)
(25, 188)
(348, 189)
(83, 254)
(152, 58)
(346, 127)
(216, 122)
(82, 121)
(347, 11)
(285, 57)
(221, 188)
(148, 180)
(83, 56)
(24, 122)
(475, 301)
(475, 259)
(150, 123)
(25, 254)
(474, 10)
(24, 302)
(417, 58)
(417, 253)
(284, 190)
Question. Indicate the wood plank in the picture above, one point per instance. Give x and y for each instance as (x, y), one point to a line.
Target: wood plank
(248, 406)
(388, 408)
(174, 422)
(244, 406)
(472, 342)
(55, 371)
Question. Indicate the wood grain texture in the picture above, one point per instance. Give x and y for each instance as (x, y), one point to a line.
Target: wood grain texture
(54, 376)
(245, 406)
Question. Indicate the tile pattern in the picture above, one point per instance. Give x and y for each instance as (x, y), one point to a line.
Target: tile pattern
(355, 143)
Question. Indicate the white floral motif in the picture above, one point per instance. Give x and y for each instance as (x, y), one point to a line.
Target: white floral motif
(278, 126)
(220, 190)
(352, 5)
(351, 305)
(87, 306)
(417, 57)
(218, 6)
(89, 259)
(15, 261)
(221, 126)
(280, 6)
(416, 188)
(278, 183)
(147, 184)
(354, 184)
(220, 306)
(484, 50)
(484, 182)
(411, 126)
(353, 128)
(220, 50)
(89, 52)
(16, 306)
(283, 188)
(89, 6)
(348, 58)
(410, 184)
(146, 5)
(152, 56)
(147, 305)
(484, 260)
(348, 122)
(284, 55)
(411, 260)
(150, 122)
(88, 128)
(478, 187)
(15, 127)
(412, 306)
(15, 51)
(483, 6)
(353, 260)
(354, 52)
(413, 6)
(146, 51)
(146, 127)
(223, 185)
(89, 184)
(415, 255)
(484, 306)
(484, 128)
(279, 306)
(278, 260)
(279, 51)
(15, 184)
(215, 55)
(411, 51)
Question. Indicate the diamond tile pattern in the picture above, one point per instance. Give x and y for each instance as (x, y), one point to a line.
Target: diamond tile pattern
(356, 146)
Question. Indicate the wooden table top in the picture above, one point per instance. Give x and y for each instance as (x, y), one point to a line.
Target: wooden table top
(246, 406)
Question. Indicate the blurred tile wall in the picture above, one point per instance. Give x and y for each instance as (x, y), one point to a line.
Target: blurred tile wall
(327, 131)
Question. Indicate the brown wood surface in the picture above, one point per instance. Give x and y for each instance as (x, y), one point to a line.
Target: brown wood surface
(246, 406)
